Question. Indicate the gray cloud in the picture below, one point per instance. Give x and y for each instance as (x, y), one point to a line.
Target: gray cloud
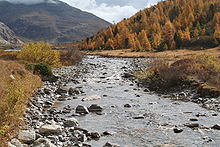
(112, 10)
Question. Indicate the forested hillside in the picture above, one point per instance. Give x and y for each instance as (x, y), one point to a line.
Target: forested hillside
(170, 24)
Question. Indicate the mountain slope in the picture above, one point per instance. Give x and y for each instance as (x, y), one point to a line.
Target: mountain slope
(7, 36)
(170, 24)
(52, 22)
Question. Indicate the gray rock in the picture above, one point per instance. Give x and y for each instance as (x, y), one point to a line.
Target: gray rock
(62, 90)
(109, 144)
(93, 135)
(82, 109)
(81, 130)
(71, 122)
(42, 142)
(46, 91)
(193, 119)
(95, 108)
(106, 133)
(82, 138)
(50, 129)
(16, 143)
(74, 91)
(27, 136)
(177, 130)
(192, 125)
(92, 98)
(11, 145)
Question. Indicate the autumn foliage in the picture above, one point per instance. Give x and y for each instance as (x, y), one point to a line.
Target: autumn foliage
(39, 52)
(167, 25)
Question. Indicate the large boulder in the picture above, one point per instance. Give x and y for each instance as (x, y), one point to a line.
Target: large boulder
(27, 136)
(47, 129)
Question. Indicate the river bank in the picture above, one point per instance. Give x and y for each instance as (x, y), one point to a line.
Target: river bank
(124, 113)
(170, 54)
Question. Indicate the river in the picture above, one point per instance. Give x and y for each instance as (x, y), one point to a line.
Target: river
(156, 117)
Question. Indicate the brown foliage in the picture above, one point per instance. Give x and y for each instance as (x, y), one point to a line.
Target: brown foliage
(16, 85)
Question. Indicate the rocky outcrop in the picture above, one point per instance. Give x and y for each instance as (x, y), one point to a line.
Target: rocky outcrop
(7, 36)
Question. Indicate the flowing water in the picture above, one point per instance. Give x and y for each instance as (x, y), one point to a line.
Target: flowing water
(103, 77)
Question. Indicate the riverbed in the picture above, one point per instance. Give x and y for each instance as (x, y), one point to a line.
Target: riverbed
(131, 116)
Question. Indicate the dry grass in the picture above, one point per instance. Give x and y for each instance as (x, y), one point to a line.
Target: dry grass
(171, 55)
(16, 85)
(164, 74)
(8, 55)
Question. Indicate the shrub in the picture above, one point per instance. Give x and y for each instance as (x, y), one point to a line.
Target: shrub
(39, 52)
(164, 75)
(70, 56)
(40, 69)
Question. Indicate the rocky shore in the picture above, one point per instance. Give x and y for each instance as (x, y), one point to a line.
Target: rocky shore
(45, 126)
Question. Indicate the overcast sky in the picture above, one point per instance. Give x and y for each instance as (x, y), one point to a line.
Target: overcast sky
(110, 10)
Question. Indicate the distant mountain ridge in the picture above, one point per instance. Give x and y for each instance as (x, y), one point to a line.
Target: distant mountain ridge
(7, 36)
(53, 22)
